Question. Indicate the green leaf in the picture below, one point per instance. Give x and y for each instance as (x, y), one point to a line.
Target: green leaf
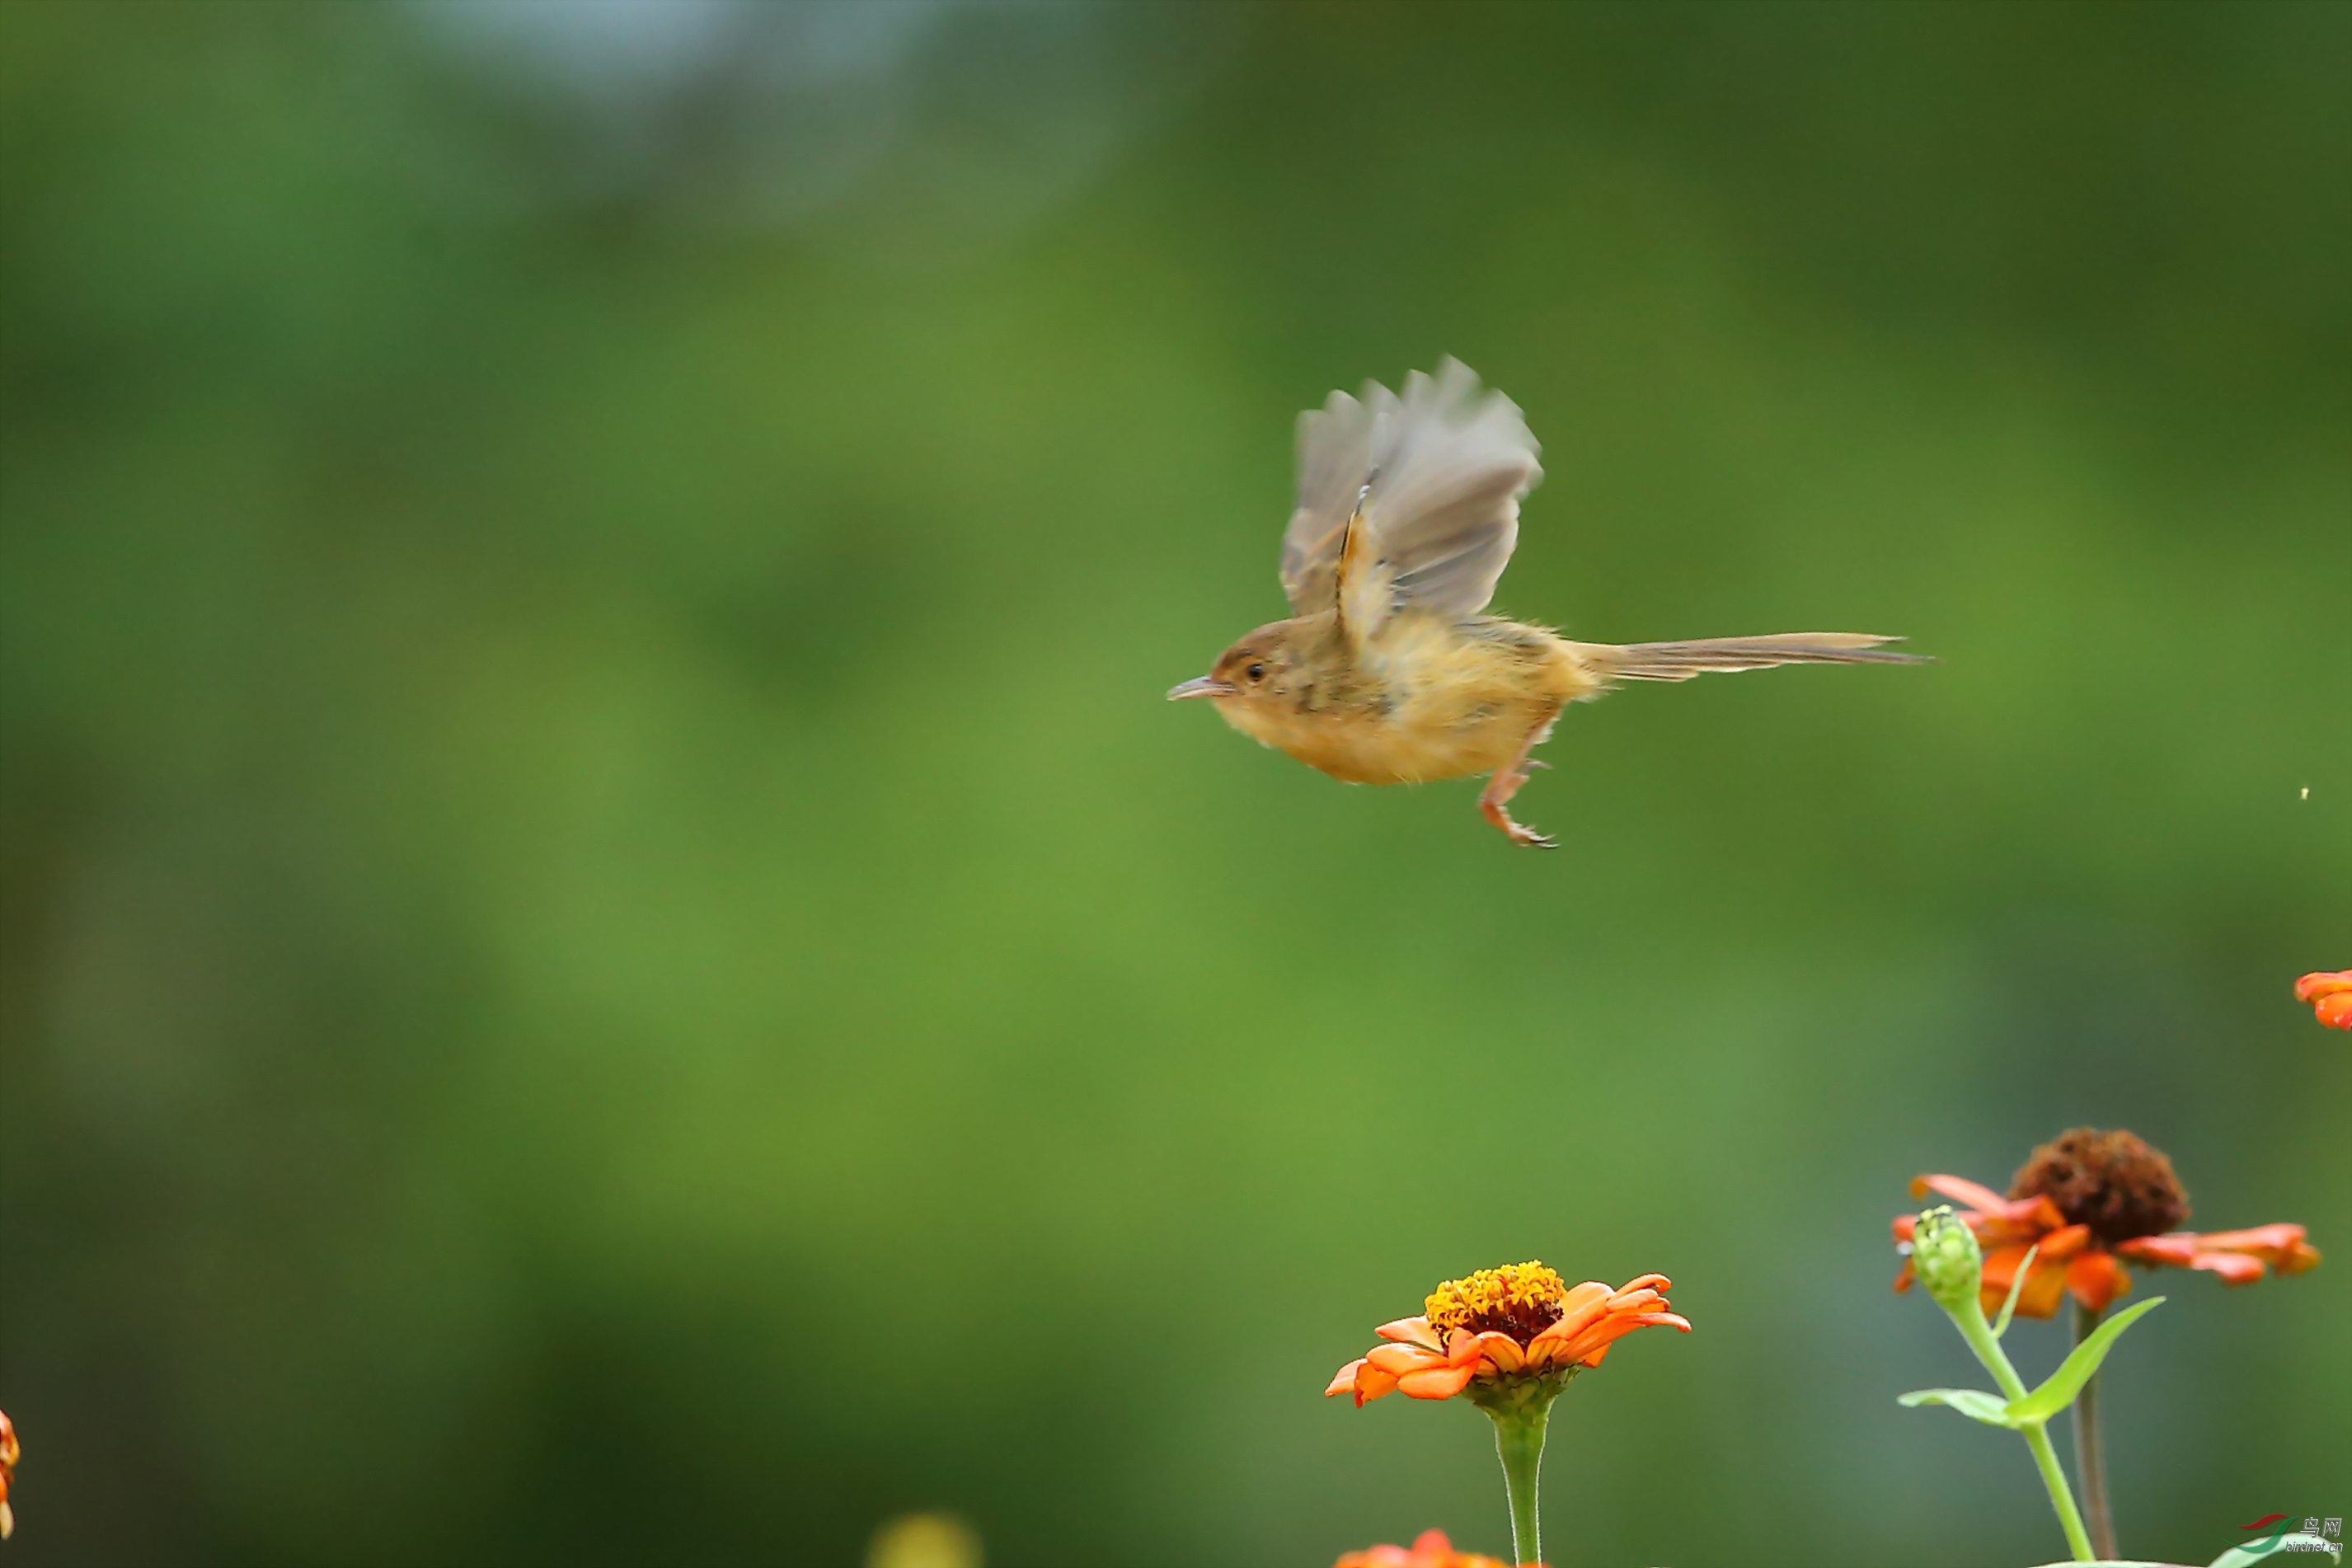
(2016, 1285)
(2075, 1371)
(1972, 1403)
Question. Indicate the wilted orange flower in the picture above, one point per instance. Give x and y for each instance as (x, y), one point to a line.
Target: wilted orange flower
(2330, 995)
(1430, 1548)
(2085, 1200)
(1518, 1320)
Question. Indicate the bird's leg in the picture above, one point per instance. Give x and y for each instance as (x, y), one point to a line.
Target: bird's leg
(1496, 796)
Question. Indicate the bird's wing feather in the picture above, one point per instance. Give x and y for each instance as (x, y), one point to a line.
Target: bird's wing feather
(1335, 458)
(1446, 466)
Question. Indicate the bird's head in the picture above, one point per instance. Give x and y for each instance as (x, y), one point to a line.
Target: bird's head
(1253, 670)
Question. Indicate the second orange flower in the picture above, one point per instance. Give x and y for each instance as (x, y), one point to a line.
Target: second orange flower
(2082, 1204)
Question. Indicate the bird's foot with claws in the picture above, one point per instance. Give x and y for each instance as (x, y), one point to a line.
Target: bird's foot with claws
(1520, 833)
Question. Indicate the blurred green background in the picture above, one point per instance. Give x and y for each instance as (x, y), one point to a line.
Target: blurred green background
(611, 954)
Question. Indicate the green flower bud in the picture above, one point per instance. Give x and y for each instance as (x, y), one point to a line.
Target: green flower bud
(1945, 1257)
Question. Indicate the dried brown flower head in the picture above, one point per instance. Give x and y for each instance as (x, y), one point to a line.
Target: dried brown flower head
(2111, 1181)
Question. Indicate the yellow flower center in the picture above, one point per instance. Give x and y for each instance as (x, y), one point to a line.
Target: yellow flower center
(1520, 1300)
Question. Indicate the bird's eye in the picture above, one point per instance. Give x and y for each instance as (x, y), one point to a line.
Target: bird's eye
(1255, 672)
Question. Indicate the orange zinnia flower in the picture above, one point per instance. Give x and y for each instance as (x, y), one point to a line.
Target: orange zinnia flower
(2085, 1201)
(1430, 1548)
(1510, 1338)
(1504, 1324)
(2330, 995)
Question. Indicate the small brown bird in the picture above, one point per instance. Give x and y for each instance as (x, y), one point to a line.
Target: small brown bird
(1387, 671)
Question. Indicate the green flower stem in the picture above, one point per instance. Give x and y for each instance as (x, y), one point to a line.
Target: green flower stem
(2090, 1458)
(1520, 1407)
(1970, 1319)
(2045, 1458)
(1518, 1442)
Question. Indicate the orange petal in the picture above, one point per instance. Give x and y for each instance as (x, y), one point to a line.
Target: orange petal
(1598, 1317)
(1361, 1379)
(1903, 1280)
(2096, 1279)
(1994, 1219)
(2001, 1266)
(1436, 1383)
(1585, 1302)
(2027, 1219)
(1587, 1346)
(2324, 983)
(2237, 1256)
(2330, 995)
(2062, 1244)
(2234, 1268)
(2042, 1288)
(1398, 1360)
(1371, 1383)
(2045, 1287)
(2172, 1251)
(1582, 1303)
(2184, 1250)
(1960, 1190)
(1904, 1224)
(1410, 1331)
(1498, 1350)
(1646, 1282)
(1432, 1544)
(1587, 1297)
(2268, 1242)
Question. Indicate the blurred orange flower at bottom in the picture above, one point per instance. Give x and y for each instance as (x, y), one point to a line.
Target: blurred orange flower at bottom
(2330, 995)
(1429, 1550)
(9, 1454)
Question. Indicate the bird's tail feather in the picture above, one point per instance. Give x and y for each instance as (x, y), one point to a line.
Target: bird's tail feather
(1682, 660)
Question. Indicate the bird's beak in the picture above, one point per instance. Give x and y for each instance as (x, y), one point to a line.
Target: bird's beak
(1202, 686)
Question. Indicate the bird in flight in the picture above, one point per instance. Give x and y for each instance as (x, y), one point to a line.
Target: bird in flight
(1389, 670)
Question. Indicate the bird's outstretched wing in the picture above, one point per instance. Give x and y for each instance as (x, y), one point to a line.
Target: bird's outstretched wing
(1432, 481)
(1335, 459)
